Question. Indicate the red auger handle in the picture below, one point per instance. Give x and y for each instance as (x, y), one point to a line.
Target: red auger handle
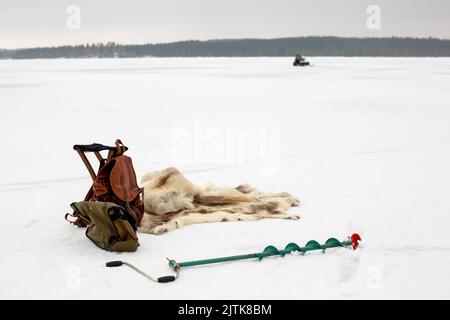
(355, 238)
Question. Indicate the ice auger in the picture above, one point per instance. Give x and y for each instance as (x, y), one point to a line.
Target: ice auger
(269, 251)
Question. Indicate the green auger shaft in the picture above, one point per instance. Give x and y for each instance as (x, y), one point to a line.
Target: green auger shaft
(272, 251)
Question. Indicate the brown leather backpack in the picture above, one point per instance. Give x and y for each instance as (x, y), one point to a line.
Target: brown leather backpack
(115, 181)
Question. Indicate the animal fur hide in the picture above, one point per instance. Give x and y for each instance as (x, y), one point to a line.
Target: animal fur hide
(171, 201)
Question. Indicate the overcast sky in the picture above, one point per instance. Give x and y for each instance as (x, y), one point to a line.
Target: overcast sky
(44, 22)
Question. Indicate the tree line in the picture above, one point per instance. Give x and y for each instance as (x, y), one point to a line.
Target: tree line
(308, 46)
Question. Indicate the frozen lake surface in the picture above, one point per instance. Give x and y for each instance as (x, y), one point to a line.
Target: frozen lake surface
(363, 142)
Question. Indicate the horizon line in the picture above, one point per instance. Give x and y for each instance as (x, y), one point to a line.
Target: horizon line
(227, 39)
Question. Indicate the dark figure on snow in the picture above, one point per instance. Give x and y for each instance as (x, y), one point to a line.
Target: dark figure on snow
(300, 61)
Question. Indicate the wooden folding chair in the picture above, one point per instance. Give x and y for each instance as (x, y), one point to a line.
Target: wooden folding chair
(97, 148)
(123, 190)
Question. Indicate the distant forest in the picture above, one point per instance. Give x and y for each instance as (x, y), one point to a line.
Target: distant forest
(308, 46)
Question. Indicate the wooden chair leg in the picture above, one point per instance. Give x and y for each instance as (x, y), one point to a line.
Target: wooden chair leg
(87, 164)
(98, 155)
(110, 154)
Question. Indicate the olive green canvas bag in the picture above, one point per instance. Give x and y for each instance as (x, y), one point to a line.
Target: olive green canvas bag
(108, 226)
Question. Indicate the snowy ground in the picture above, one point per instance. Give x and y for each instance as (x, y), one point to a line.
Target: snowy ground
(364, 143)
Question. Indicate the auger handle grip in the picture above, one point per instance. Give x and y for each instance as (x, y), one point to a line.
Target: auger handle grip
(166, 279)
(114, 264)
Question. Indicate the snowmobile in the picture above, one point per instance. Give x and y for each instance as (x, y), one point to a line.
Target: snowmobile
(300, 61)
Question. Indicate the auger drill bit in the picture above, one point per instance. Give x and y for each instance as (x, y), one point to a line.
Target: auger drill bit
(269, 251)
(273, 251)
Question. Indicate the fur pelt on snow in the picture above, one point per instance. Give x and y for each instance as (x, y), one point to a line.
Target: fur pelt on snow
(171, 201)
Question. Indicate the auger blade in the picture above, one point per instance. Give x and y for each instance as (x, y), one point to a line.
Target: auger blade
(313, 245)
(273, 251)
(269, 251)
(291, 247)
